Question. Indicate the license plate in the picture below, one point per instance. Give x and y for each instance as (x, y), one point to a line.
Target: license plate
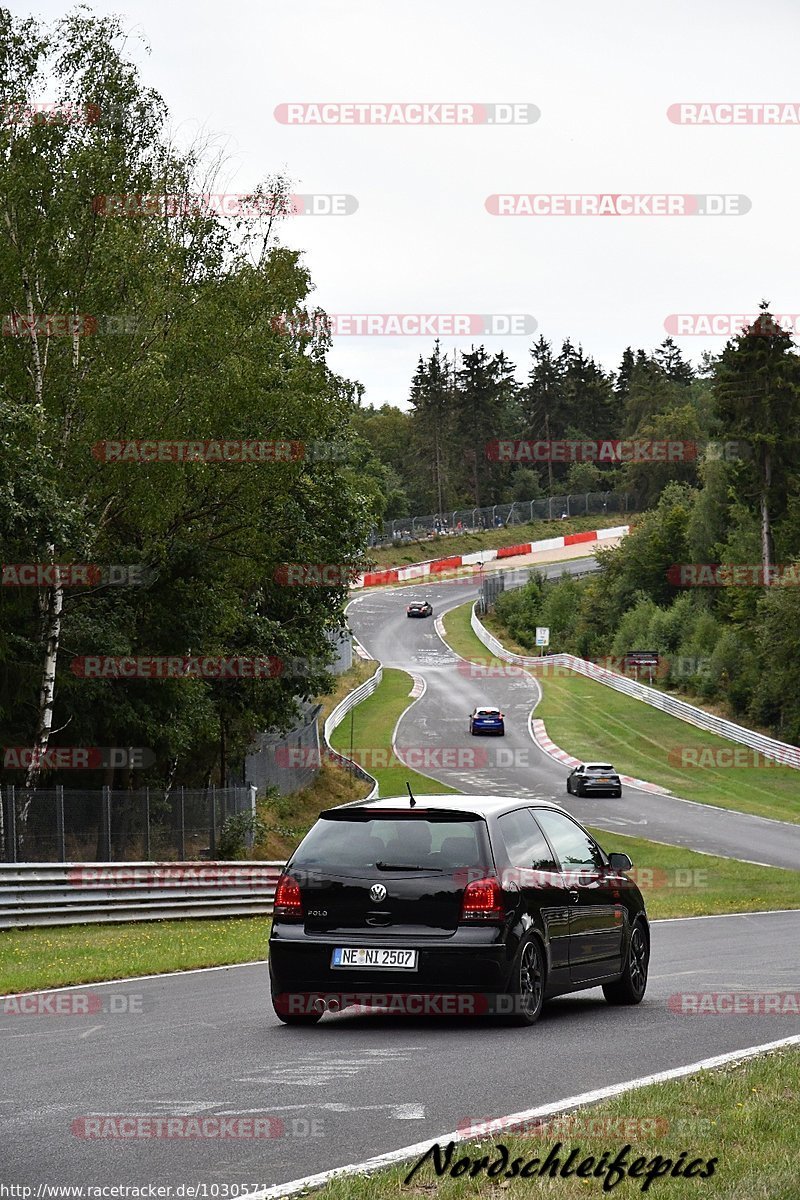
(380, 960)
(603, 779)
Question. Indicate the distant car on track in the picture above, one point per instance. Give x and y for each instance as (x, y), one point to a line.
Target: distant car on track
(487, 720)
(485, 905)
(420, 608)
(592, 777)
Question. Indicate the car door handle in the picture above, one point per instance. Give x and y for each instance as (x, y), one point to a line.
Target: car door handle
(574, 895)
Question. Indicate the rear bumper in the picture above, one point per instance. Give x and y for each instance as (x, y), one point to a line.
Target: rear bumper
(302, 964)
(498, 729)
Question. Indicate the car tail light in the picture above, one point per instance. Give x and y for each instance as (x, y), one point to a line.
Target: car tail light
(483, 901)
(288, 901)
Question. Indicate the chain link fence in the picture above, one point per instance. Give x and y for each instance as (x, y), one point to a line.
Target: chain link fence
(498, 516)
(286, 761)
(104, 825)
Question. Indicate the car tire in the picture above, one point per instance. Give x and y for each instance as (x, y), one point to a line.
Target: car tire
(580, 791)
(617, 795)
(528, 984)
(569, 788)
(632, 984)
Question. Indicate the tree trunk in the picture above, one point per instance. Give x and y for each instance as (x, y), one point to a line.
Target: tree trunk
(53, 606)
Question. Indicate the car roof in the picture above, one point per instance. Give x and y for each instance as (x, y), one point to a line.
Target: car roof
(485, 806)
(598, 764)
(485, 708)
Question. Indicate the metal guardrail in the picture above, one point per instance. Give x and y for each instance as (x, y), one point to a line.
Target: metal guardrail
(493, 516)
(72, 893)
(782, 752)
(103, 892)
(335, 719)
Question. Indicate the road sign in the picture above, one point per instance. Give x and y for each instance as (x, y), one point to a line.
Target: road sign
(642, 658)
(542, 635)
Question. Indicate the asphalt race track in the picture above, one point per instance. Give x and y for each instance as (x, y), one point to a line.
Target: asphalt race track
(436, 727)
(355, 1085)
(207, 1044)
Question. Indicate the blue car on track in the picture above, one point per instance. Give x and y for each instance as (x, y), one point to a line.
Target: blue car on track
(487, 720)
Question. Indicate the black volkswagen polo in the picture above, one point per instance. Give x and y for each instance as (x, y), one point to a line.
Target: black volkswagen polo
(456, 905)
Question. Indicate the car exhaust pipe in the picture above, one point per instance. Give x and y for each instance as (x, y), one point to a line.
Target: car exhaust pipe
(321, 1005)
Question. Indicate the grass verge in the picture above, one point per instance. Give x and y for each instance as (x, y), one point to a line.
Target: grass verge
(43, 958)
(591, 721)
(368, 740)
(676, 882)
(743, 1116)
(442, 546)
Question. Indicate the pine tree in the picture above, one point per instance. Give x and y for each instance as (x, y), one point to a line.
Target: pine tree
(756, 388)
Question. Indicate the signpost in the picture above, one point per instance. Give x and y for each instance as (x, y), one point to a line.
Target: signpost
(642, 658)
(542, 637)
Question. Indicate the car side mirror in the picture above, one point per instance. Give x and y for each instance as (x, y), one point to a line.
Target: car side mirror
(620, 862)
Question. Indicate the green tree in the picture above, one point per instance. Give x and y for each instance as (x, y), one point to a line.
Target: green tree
(757, 392)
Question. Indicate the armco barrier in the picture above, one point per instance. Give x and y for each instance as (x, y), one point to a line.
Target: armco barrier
(782, 752)
(94, 893)
(338, 715)
(436, 566)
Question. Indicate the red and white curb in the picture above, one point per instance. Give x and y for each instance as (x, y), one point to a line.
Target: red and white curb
(546, 743)
(419, 686)
(438, 566)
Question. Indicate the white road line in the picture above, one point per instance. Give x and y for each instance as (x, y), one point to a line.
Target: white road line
(73, 987)
(408, 1153)
(262, 962)
(758, 912)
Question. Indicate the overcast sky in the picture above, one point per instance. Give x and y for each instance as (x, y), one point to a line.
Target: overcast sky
(421, 240)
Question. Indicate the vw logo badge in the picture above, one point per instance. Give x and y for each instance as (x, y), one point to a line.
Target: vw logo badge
(377, 892)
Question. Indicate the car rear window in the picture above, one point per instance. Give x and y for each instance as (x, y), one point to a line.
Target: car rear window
(487, 712)
(358, 843)
(600, 767)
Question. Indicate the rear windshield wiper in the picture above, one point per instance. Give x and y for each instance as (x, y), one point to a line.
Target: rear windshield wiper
(382, 866)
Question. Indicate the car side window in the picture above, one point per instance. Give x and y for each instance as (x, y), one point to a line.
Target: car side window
(524, 842)
(573, 847)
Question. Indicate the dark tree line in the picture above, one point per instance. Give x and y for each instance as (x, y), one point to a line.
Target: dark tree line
(433, 457)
